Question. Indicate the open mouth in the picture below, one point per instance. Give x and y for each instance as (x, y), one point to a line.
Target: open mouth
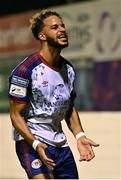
(62, 37)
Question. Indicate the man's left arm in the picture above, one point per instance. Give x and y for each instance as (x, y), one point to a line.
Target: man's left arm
(84, 144)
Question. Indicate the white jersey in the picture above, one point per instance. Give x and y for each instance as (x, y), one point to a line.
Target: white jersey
(47, 92)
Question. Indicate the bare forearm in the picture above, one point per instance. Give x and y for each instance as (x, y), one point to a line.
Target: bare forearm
(19, 122)
(74, 122)
(21, 126)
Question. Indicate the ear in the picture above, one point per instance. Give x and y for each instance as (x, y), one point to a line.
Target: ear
(42, 37)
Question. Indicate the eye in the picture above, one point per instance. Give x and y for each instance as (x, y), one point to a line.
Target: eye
(54, 27)
(63, 25)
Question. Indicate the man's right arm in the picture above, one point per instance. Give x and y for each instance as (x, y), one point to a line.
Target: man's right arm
(18, 121)
(20, 125)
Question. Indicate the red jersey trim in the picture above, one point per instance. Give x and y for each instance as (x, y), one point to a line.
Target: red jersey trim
(17, 100)
(46, 63)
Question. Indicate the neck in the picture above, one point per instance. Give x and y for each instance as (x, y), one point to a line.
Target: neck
(51, 55)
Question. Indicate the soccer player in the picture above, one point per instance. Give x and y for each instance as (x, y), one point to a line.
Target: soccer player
(41, 95)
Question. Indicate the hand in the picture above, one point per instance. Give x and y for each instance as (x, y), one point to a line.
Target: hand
(47, 161)
(85, 149)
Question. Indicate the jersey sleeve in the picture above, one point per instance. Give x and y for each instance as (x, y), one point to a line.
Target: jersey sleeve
(19, 86)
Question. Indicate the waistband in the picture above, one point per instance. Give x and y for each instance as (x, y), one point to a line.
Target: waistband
(52, 143)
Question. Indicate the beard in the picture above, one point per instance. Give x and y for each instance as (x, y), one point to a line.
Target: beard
(55, 44)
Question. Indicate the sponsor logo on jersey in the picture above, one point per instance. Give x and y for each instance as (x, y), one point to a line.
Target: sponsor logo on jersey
(19, 81)
(17, 91)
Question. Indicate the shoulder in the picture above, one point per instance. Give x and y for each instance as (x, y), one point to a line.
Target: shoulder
(68, 65)
(27, 65)
(65, 61)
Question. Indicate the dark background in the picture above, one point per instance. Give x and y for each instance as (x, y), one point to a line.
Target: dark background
(16, 6)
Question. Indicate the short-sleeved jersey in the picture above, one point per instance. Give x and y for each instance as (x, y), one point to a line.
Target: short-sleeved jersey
(47, 93)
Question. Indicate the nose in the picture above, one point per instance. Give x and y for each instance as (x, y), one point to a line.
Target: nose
(62, 28)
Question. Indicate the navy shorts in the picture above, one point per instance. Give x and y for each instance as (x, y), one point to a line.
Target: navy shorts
(65, 164)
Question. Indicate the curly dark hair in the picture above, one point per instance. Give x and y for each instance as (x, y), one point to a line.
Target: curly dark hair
(36, 22)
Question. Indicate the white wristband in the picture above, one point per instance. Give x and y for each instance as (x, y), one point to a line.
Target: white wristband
(80, 134)
(35, 144)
